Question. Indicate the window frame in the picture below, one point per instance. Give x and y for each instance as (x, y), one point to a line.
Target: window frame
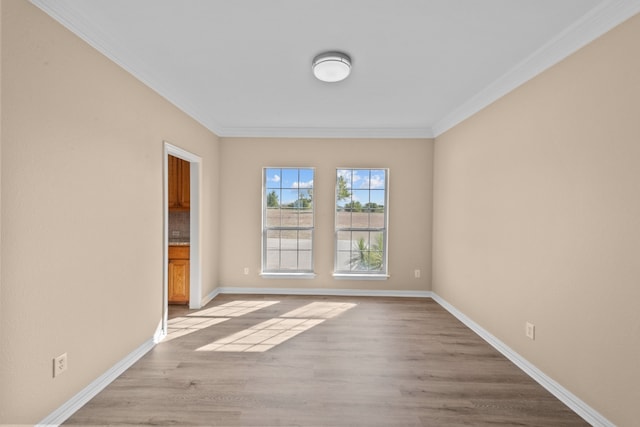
(287, 273)
(356, 274)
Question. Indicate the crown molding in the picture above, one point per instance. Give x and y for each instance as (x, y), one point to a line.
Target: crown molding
(592, 25)
(326, 132)
(79, 25)
(595, 23)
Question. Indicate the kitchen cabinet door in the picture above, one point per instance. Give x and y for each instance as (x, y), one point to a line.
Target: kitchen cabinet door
(179, 184)
(178, 281)
(184, 184)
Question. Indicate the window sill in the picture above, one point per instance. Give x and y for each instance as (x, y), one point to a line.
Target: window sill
(357, 276)
(288, 275)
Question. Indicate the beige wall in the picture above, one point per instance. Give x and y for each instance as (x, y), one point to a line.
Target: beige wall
(410, 164)
(81, 250)
(536, 214)
(537, 218)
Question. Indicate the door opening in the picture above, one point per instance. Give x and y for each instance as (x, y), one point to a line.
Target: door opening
(181, 242)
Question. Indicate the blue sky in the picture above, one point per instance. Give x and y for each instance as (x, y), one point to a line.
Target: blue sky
(291, 182)
(365, 185)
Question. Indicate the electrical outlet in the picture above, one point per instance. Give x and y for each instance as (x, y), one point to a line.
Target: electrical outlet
(530, 331)
(416, 274)
(59, 364)
(246, 271)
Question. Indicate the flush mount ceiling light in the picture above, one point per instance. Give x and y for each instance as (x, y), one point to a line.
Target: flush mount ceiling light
(331, 66)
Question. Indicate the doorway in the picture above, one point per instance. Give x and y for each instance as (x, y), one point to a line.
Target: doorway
(195, 276)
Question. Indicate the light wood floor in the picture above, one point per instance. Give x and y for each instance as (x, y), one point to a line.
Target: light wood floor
(380, 362)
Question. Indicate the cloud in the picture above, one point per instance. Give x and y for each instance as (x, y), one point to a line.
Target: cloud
(307, 184)
(376, 181)
(276, 178)
(360, 178)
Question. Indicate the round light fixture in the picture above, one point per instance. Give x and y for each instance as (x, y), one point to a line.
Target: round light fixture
(331, 66)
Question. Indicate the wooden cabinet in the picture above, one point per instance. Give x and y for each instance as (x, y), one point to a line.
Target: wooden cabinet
(179, 184)
(178, 275)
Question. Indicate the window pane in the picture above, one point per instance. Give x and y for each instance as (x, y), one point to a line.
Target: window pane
(377, 179)
(289, 197)
(344, 178)
(272, 261)
(305, 261)
(305, 178)
(305, 240)
(360, 198)
(376, 240)
(272, 217)
(343, 219)
(289, 178)
(273, 178)
(289, 260)
(273, 240)
(358, 178)
(359, 220)
(306, 218)
(343, 262)
(376, 259)
(290, 217)
(376, 198)
(343, 241)
(376, 220)
(360, 238)
(289, 240)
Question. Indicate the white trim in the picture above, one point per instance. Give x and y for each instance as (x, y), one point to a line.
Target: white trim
(605, 16)
(268, 275)
(356, 276)
(328, 132)
(195, 258)
(67, 409)
(565, 396)
(209, 297)
(325, 292)
(87, 31)
(595, 23)
(589, 414)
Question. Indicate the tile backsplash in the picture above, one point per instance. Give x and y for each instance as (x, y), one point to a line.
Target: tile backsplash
(179, 226)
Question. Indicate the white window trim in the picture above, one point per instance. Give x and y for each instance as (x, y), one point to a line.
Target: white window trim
(360, 276)
(271, 275)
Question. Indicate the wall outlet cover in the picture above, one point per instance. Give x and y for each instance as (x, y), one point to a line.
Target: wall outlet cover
(59, 364)
(530, 331)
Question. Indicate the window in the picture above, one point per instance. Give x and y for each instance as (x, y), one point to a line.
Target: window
(361, 222)
(287, 220)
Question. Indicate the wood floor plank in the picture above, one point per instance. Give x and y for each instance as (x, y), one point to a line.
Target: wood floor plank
(381, 362)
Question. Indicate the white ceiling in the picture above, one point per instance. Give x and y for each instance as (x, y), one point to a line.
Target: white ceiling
(243, 67)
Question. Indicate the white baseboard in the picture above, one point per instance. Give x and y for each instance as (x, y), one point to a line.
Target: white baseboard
(589, 414)
(65, 411)
(325, 292)
(210, 296)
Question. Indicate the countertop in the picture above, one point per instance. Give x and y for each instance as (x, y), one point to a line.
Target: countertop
(178, 243)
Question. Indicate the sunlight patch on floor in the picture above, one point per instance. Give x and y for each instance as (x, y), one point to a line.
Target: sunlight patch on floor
(181, 326)
(201, 319)
(270, 333)
(234, 309)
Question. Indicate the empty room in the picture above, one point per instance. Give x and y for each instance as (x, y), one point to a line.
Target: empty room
(362, 213)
